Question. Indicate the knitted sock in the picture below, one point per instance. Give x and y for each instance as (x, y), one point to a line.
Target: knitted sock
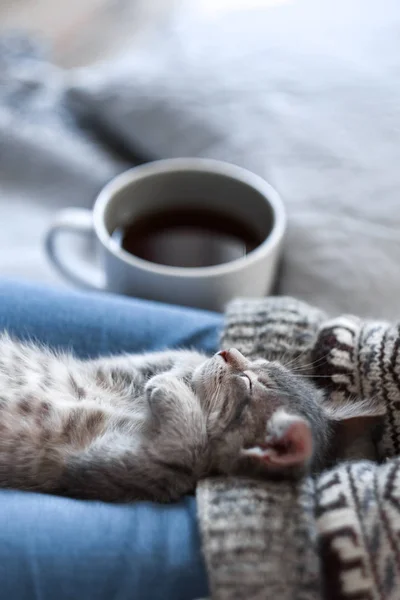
(362, 359)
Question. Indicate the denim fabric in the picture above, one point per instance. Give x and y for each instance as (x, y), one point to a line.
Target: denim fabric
(94, 324)
(61, 548)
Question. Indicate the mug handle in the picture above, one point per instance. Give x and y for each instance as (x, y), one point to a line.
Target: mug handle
(75, 220)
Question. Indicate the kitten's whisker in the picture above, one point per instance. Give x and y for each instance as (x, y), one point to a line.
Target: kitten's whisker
(310, 365)
(292, 360)
(302, 376)
(316, 361)
(290, 363)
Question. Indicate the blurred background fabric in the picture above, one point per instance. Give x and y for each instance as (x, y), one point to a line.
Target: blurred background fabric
(304, 93)
(47, 160)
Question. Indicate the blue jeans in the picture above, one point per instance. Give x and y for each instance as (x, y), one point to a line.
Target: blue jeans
(53, 547)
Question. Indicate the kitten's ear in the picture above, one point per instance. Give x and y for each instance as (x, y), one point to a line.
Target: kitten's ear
(354, 418)
(288, 442)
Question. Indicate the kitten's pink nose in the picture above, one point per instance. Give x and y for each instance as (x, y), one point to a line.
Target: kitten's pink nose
(224, 354)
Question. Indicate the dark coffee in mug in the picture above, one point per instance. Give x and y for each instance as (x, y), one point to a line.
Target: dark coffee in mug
(187, 237)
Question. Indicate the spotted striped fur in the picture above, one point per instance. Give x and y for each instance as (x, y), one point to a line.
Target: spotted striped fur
(140, 426)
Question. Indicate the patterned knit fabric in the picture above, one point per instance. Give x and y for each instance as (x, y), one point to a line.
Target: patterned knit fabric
(336, 536)
(362, 359)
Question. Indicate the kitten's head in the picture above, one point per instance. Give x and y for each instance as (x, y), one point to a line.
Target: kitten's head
(262, 417)
(241, 416)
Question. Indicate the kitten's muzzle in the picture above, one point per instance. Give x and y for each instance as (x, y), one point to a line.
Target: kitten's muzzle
(234, 358)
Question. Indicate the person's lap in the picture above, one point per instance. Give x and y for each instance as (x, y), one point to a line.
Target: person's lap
(59, 547)
(94, 324)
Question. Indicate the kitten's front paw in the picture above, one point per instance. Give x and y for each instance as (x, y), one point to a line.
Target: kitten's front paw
(165, 394)
(158, 390)
(156, 384)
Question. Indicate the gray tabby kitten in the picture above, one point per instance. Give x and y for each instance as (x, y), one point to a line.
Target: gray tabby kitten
(150, 426)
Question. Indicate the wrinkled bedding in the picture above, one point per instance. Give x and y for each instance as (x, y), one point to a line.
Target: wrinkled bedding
(307, 97)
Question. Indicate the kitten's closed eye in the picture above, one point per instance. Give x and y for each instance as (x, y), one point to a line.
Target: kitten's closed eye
(246, 378)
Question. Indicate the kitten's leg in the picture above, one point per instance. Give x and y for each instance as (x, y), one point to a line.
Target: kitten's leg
(178, 423)
(151, 363)
(117, 471)
(164, 391)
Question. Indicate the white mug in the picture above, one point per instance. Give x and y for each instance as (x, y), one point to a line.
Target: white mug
(158, 185)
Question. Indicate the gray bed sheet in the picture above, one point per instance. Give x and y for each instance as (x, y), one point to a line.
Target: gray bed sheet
(307, 94)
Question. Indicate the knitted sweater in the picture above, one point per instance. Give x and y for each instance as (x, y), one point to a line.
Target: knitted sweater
(336, 536)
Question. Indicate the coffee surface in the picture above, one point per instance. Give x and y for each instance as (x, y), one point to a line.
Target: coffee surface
(187, 237)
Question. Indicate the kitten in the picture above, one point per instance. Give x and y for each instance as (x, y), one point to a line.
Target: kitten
(150, 426)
